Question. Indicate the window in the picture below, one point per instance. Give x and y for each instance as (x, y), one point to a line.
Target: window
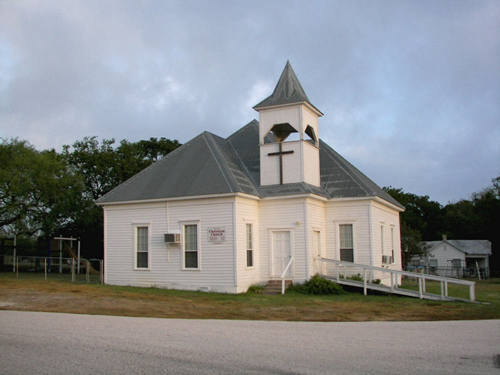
(191, 246)
(346, 243)
(249, 246)
(142, 247)
(385, 259)
(392, 245)
(382, 239)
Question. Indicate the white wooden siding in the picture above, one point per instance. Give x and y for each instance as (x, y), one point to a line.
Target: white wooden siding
(247, 212)
(444, 253)
(316, 211)
(310, 165)
(282, 214)
(215, 259)
(388, 218)
(354, 212)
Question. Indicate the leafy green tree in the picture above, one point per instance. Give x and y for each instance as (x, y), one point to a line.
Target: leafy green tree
(420, 221)
(38, 192)
(103, 166)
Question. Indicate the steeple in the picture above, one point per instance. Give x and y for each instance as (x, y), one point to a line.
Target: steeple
(287, 91)
(284, 158)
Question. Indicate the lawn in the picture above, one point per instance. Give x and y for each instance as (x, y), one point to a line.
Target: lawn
(57, 295)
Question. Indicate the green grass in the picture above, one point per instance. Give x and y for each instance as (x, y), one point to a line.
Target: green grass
(434, 287)
(35, 294)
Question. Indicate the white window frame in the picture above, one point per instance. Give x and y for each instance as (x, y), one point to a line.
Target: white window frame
(135, 227)
(354, 245)
(382, 232)
(183, 247)
(252, 247)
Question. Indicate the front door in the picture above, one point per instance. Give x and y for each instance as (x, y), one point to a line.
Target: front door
(281, 252)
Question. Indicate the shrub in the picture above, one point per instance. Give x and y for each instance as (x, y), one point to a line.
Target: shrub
(317, 285)
(357, 277)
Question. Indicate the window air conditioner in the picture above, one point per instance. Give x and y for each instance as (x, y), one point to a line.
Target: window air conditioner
(172, 238)
(386, 259)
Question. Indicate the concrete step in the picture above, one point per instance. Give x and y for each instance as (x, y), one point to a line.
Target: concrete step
(274, 286)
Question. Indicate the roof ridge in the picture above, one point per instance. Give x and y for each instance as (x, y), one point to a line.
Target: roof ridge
(247, 172)
(243, 128)
(152, 165)
(355, 178)
(226, 173)
(358, 177)
(455, 246)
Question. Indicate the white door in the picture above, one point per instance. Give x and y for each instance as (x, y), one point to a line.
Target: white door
(281, 252)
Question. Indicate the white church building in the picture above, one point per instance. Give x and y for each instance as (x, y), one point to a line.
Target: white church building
(221, 214)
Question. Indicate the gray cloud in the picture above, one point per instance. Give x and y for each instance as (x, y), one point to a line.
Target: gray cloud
(410, 90)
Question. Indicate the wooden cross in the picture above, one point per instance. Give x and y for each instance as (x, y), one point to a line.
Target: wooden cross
(280, 153)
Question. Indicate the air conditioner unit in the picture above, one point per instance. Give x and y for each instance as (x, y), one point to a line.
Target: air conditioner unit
(387, 259)
(172, 237)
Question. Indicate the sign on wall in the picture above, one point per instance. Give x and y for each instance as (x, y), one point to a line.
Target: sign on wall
(217, 234)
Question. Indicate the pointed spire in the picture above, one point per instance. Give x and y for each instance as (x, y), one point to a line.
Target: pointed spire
(287, 91)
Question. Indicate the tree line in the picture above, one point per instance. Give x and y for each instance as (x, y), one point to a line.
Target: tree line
(476, 218)
(48, 193)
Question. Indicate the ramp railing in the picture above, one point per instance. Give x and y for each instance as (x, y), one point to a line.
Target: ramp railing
(283, 274)
(364, 275)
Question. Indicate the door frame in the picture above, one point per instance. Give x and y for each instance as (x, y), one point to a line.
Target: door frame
(271, 250)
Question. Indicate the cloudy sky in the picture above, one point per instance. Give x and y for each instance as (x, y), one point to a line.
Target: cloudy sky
(410, 90)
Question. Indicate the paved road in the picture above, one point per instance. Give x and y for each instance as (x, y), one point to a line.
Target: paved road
(47, 343)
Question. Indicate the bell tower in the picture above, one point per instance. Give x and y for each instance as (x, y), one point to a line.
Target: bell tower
(287, 111)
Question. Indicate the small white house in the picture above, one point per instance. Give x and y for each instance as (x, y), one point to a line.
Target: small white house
(221, 214)
(456, 258)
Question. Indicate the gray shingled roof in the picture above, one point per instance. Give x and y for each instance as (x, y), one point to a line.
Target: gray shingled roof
(469, 247)
(209, 164)
(472, 247)
(287, 91)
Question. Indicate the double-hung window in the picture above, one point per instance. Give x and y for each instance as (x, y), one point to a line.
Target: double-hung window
(346, 243)
(191, 250)
(392, 245)
(142, 247)
(249, 245)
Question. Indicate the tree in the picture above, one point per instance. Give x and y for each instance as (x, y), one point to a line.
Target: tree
(421, 220)
(103, 167)
(38, 192)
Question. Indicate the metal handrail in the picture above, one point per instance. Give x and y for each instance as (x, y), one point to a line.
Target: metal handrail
(420, 276)
(284, 273)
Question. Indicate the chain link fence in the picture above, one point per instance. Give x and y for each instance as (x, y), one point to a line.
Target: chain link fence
(53, 268)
